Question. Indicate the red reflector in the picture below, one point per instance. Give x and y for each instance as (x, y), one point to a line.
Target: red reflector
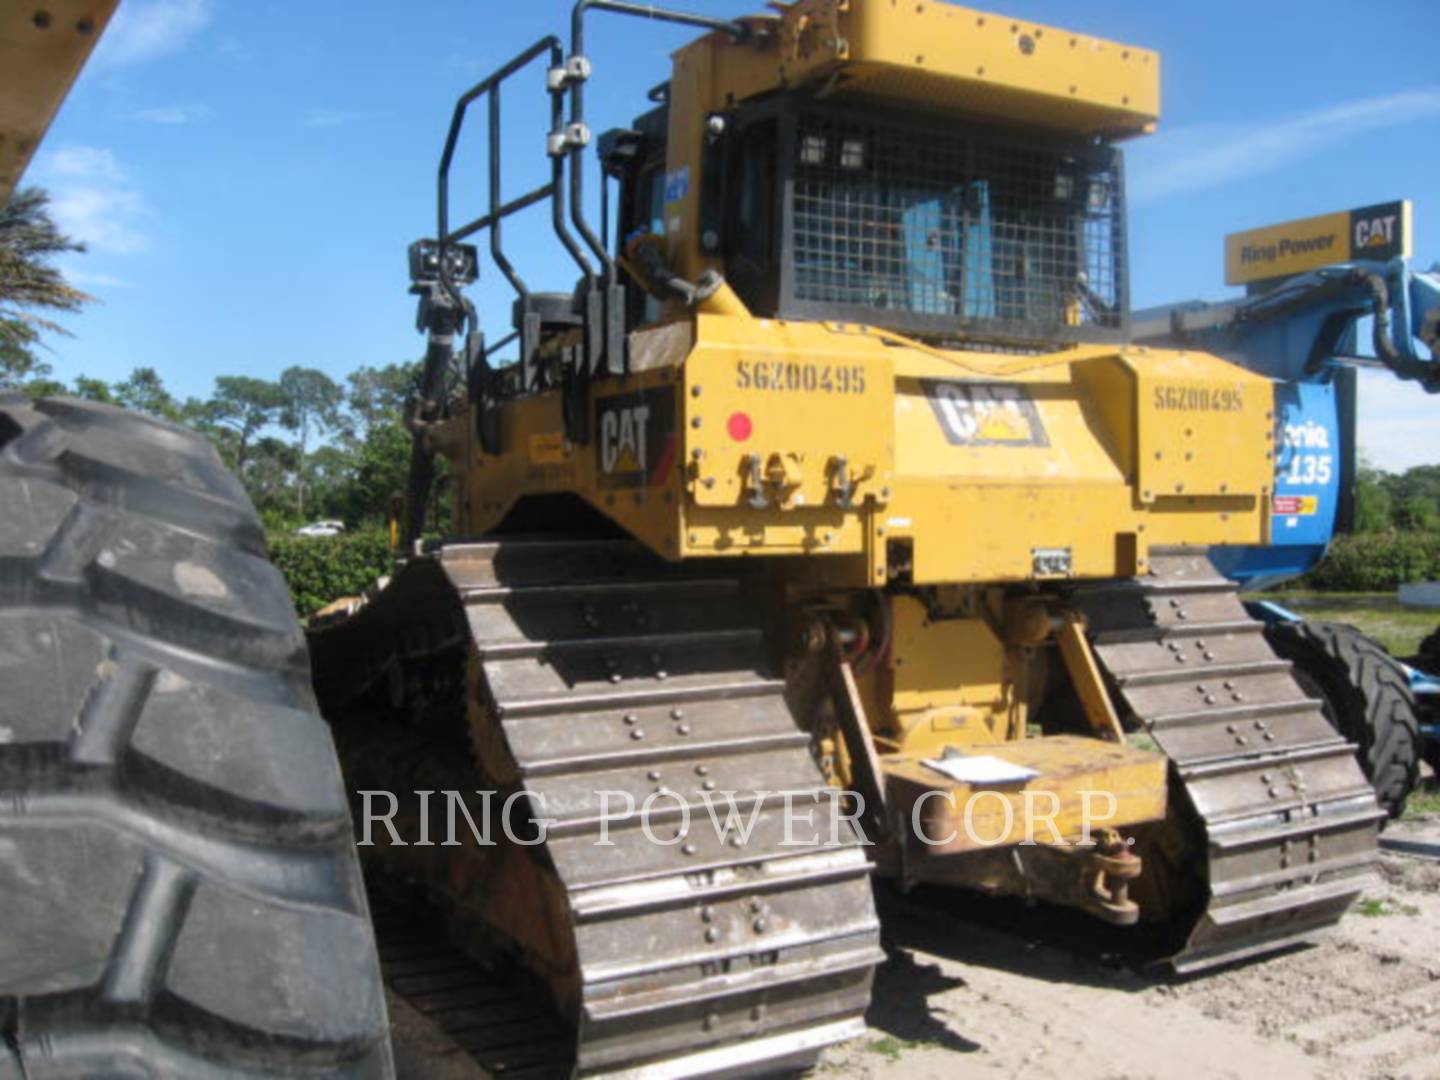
(739, 426)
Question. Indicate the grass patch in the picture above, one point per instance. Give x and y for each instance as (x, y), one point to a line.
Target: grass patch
(1370, 907)
(890, 1047)
(1423, 801)
(1377, 615)
(1376, 908)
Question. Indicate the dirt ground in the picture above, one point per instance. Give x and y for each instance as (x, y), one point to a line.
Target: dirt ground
(1363, 1001)
(961, 994)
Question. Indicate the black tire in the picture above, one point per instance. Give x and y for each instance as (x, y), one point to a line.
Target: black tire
(1428, 658)
(181, 893)
(1430, 753)
(1366, 697)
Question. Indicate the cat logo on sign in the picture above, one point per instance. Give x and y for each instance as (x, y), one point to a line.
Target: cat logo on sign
(985, 414)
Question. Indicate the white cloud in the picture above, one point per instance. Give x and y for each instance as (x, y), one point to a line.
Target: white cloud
(1397, 422)
(89, 279)
(1209, 156)
(84, 163)
(172, 114)
(145, 29)
(92, 199)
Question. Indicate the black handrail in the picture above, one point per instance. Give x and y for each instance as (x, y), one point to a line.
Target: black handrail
(486, 221)
(496, 215)
(489, 87)
(739, 31)
(567, 144)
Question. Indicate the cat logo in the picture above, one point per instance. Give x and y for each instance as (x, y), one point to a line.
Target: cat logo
(985, 414)
(636, 447)
(1376, 231)
(622, 439)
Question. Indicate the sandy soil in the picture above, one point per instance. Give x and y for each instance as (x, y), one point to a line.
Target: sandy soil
(1363, 1001)
(963, 994)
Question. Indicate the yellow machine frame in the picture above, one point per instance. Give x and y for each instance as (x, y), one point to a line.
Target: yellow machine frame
(1102, 452)
(42, 49)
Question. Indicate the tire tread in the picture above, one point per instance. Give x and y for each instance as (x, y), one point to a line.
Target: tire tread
(166, 751)
(1368, 699)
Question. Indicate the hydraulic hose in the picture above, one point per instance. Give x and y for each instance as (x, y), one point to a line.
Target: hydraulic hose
(1426, 373)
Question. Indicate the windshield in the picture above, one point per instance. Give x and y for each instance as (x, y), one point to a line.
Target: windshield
(947, 228)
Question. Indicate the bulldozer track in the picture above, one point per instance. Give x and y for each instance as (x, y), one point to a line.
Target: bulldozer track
(697, 949)
(594, 667)
(1289, 822)
(501, 1023)
(1411, 849)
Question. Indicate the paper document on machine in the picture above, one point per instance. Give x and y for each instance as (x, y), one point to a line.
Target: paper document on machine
(981, 769)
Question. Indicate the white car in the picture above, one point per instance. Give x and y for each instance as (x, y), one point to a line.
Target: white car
(321, 528)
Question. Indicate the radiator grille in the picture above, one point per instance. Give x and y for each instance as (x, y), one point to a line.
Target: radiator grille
(956, 229)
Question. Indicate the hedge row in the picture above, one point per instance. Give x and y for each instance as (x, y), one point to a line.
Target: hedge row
(324, 568)
(1377, 562)
(320, 569)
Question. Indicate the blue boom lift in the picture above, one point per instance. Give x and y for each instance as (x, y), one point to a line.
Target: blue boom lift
(1312, 287)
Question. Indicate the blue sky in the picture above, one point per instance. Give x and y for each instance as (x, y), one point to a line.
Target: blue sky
(248, 173)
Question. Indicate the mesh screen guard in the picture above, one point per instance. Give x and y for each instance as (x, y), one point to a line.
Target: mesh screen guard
(948, 232)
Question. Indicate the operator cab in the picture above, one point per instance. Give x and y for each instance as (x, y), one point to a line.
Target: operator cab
(863, 213)
(933, 172)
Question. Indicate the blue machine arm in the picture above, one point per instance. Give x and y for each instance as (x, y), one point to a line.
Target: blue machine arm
(1303, 332)
(1306, 324)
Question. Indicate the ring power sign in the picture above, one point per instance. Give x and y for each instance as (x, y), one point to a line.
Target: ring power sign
(636, 443)
(1374, 233)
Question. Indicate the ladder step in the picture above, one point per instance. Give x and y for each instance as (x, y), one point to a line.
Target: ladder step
(698, 639)
(1163, 676)
(652, 694)
(1316, 870)
(1253, 711)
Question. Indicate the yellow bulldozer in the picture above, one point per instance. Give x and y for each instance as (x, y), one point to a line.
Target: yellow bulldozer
(830, 491)
(828, 526)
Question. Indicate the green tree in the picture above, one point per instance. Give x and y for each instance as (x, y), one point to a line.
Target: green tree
(199, 415)
(1417, 512)
(378, 396)
(30, 284)
(328, 472)
(44, 386)
(1372, 501)
(381, 471)
(268, 477)
(1418, 488)
(1412, 498)
(244, 406)
(368, 460)
(145, 392)
(93, 389)
(312, 404)
(21, 369)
